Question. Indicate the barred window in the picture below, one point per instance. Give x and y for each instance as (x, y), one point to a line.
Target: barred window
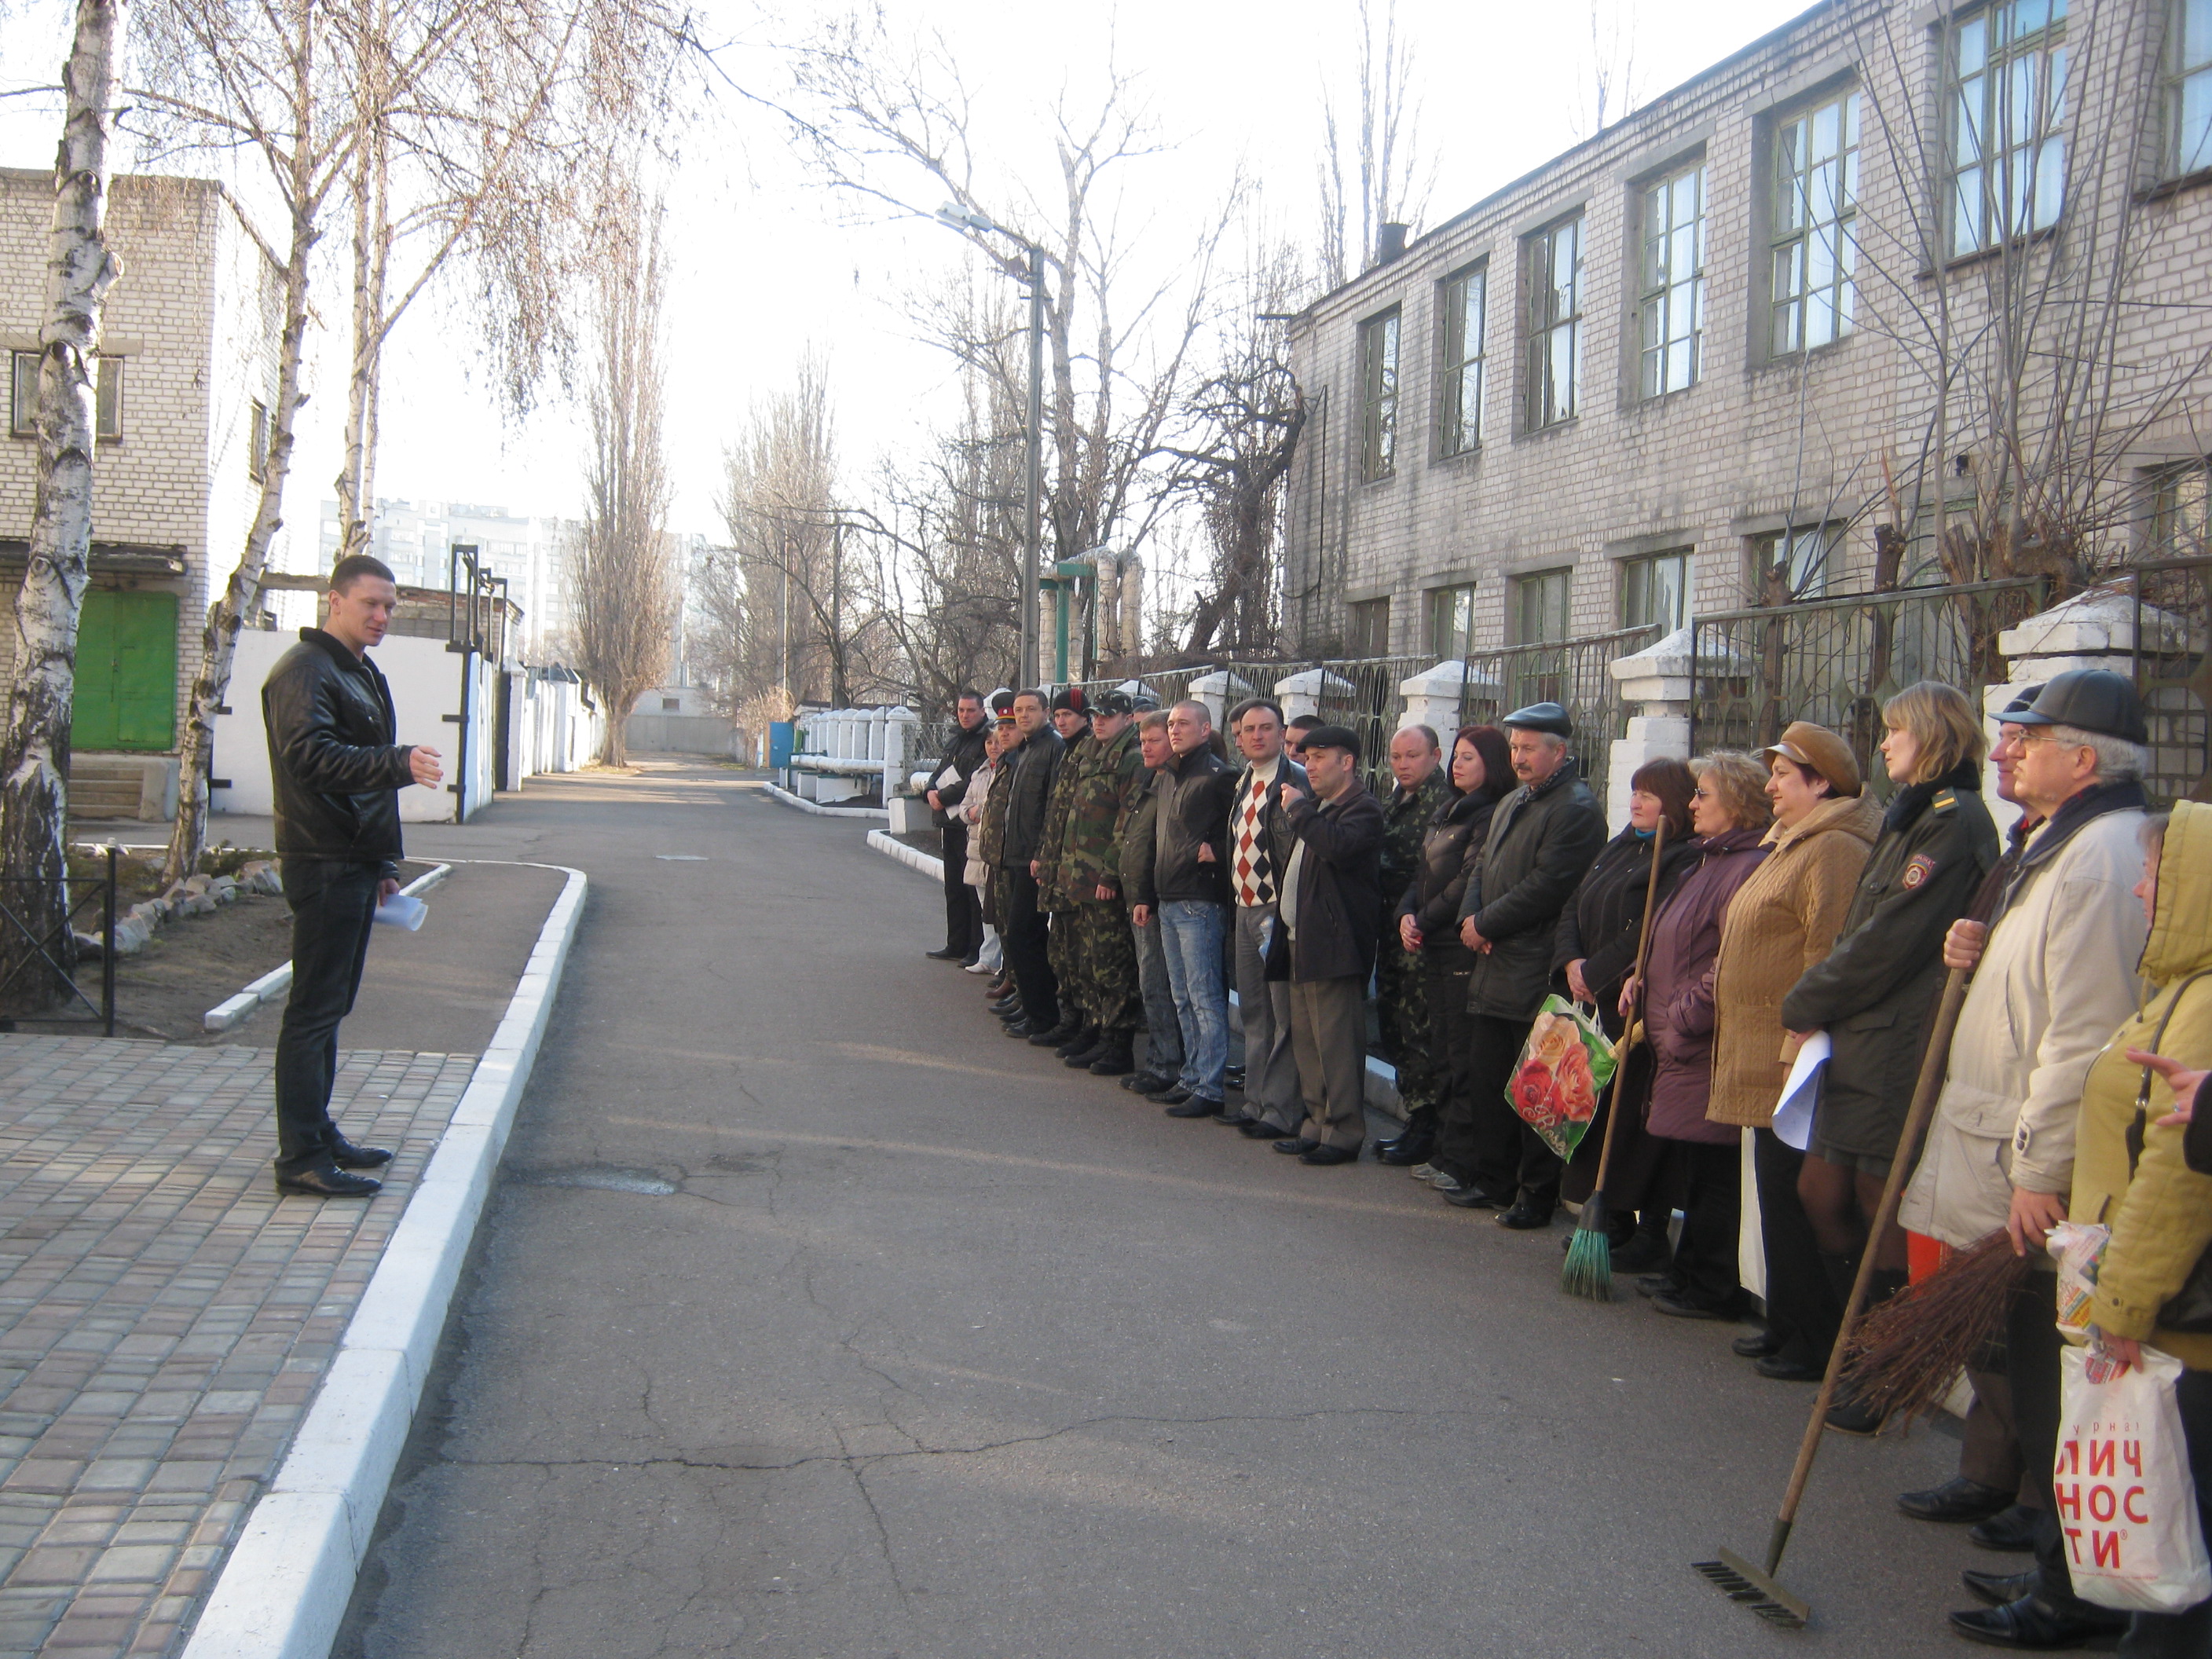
(1815, 238)
(1451, 620)
(1464, 295)
(2189, 88)
(1379, 379)
(2006, 119)
(1655, 589)
(1673, 280)
(1554, 322)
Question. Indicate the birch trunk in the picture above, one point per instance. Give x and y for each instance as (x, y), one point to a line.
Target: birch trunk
(34, 750)
(219, 641)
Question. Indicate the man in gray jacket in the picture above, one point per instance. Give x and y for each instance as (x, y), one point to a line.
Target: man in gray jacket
(1542, 838)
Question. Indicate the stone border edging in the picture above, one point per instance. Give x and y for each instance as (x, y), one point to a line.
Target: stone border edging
(1382, 1076)
(284, 1590)
(779, 793)
(278, 980)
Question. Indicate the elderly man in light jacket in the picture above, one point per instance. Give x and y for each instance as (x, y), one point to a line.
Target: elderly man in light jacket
(2055, 977)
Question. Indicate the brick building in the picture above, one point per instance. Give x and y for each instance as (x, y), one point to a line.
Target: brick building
(1687, 351)
(188, 371)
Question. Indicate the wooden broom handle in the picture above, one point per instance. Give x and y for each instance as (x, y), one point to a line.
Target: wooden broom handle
(1628, 1031)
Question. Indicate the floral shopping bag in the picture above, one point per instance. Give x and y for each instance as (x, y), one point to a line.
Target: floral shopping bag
(1566, 1061)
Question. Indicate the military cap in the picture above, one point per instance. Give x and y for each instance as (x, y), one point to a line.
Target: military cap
(1071, 697)
(1115, 702)
(2089, 700)
(1538, 717)
(1333, 737)
(1002, 703)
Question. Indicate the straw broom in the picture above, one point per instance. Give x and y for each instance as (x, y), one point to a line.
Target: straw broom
(1588, 1269)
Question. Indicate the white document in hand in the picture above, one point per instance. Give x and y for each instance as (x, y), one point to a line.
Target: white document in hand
(403, 911)
(1793, 1117)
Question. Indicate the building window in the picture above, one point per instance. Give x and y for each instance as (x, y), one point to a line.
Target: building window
(1555, 316)
(2189, 89)
(1464, 296)
(2180, 511)
(108, 400)
(2006, 112)
(23, 399)
(257, 440)
(670, 705)
(1800, 556)
(1451, 620)
(1378, 379)
(1540, 607)
(1816, 224)
(1673, 280)
(1367, 633)
(1654, 589)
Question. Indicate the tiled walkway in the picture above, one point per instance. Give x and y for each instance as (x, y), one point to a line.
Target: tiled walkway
(164, 1315)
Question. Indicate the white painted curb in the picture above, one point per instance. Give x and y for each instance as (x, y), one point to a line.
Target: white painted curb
(278, 980)
(285, 1587)
(819, 810)
(1382, 1076)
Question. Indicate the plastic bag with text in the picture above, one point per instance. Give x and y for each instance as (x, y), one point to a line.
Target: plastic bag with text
(1566, 1061)
(2126, 1505)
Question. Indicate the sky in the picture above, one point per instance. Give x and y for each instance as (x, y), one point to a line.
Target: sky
(769, 265)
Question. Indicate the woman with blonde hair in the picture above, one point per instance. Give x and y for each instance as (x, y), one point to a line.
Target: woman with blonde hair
(1876, 991)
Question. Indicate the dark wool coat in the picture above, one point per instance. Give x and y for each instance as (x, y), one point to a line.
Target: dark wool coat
(1876, 990)
(1449, 849)
(1602, 922)
(1678, 985)
(1541, 839)
(1340, 893)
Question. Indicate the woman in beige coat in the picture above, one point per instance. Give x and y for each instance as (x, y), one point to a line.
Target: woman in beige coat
(1782, 921)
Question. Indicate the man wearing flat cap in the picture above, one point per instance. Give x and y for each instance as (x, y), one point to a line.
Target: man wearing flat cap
(2054, 976)
(1542, 838)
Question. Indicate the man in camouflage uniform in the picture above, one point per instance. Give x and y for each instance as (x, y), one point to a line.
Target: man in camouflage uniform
(1071, 718)
(1106, 773)
(1423, 789)
(990, 842)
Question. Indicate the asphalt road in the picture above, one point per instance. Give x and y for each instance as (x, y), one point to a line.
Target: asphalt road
(813, 1318)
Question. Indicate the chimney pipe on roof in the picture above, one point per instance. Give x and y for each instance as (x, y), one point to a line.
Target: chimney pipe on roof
(1390, 244)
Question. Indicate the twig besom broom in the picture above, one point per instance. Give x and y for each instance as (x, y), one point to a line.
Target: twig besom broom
(1732, 1575)
(1588, 1269)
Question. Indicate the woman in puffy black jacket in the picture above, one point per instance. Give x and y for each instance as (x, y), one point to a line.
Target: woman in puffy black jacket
(1428, 921)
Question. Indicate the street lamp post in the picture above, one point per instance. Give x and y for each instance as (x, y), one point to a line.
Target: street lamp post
(962, 218)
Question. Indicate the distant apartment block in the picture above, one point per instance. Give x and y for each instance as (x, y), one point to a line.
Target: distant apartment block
(416, 539)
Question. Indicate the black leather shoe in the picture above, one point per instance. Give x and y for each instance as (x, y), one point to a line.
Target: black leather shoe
(1253, 1129)
(1675, 1305)
(1296, 1146)
(1322, 1157)
(2011, 1531)
(1405, 1151)
(1019, 1028)
(1233, 1078)
(1172, 1096)
(328, 1183)
(347, 1156)
(1758, 1346)
(1957, 1499)
(1525, 1217)
(1471, 1197)
(1998, 1589)
(1778, 1368)
(1006, 1003)
(1855, 1417)
(2034, 1623)
(1147, 1083)
(1652, 1284)
(1229, 1116)
(1196, 1106)
(944, 956)
(1642, 1252)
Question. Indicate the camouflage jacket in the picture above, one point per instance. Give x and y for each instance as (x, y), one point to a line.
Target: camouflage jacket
(1051, 894)
(991, 832)
(1406, 820)
(1105, 773)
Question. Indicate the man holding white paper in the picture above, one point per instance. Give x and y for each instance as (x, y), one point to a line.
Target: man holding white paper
(338, 774)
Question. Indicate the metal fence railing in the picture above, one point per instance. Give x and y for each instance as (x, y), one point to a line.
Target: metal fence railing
(36, 955)
(1835, 661)
(2172, 603)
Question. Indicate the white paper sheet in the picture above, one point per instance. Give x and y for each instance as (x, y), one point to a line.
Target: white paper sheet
(1793, 1117)
(402, 910)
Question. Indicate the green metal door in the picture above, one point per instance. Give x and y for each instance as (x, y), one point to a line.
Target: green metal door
(126, 671)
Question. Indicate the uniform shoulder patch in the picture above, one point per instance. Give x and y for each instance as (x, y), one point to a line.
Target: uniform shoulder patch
(1944, 801)
(1919, 870)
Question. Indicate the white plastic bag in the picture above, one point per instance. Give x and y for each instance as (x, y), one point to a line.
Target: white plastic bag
(2125, 1502)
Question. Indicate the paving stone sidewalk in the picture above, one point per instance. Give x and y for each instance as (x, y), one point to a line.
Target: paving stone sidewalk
(164, 1316)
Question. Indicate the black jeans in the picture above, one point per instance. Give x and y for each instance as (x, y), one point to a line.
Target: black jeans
(1027, 933)
(332, 906)
(2031, 1363)
(1802, 1311)
(1712, 1215)
(1509, 1156)
(964, 910)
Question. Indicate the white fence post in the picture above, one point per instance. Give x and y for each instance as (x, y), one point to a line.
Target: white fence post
(1657, 680)
(1435, 696)
(1300, 694)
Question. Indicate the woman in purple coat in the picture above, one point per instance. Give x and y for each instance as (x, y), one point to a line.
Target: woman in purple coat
(1729, 814)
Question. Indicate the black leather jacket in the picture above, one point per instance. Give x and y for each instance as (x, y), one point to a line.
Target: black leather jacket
(336, 771)
(1035, 766)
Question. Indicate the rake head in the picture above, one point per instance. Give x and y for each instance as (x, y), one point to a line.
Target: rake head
(1737, 1579)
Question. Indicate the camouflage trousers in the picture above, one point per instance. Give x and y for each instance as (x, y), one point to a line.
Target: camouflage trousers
(1064, 952)
(1401, 1007)
(1109, 992)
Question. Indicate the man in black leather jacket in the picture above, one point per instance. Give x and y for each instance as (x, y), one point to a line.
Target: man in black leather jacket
(1036, 764)
(336, 775)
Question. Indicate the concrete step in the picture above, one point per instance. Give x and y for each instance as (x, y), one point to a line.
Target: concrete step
(101, 788)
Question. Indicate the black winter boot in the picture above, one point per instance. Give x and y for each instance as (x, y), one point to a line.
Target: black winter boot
(1086, 1033)
(1086, 1048)
(1113, 1058)
(1055, 1036)
(1415, 1144)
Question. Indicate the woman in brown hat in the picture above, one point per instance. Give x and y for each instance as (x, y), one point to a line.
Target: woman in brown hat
(1782, 921)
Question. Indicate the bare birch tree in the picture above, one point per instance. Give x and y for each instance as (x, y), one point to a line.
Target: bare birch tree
(34, 751)
(621, 566)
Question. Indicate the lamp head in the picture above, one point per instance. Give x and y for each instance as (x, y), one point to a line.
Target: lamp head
(961, 218)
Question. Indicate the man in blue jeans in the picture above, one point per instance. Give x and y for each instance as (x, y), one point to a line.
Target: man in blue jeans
(1190, 891)
(337, 775)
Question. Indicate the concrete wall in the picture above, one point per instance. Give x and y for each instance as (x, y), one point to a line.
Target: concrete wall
(681, 734)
